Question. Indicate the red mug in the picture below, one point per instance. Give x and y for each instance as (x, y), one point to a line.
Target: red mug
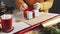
(6, 22)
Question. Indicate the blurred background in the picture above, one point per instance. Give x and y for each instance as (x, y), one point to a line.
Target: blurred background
(54, 9)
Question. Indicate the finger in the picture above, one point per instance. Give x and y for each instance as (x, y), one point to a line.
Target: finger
(21, 8)
(36, 4)
(25, 6)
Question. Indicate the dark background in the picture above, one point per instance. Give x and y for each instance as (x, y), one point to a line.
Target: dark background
(54, 9)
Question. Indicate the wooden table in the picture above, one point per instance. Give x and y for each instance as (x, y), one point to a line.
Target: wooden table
(26, 25)
(35, 22)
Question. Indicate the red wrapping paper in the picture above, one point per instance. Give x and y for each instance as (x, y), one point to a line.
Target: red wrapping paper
(25, 14)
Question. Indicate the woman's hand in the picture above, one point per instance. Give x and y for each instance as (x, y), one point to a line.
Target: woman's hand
(37, 5)
(23, 6)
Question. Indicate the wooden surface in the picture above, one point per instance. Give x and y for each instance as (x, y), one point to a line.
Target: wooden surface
(40, 18)
(44, 17)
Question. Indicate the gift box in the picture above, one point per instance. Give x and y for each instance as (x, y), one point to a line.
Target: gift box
(30, 12)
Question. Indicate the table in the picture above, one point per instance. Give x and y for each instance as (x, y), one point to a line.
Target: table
(29, 24)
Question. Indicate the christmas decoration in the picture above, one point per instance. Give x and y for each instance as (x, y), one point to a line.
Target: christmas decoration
(30, 12)
(3, 8)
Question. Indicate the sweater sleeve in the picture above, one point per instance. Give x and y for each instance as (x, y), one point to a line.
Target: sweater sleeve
(46, 5)
(19, 2)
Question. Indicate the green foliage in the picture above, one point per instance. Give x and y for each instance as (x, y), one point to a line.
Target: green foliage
(56, 30)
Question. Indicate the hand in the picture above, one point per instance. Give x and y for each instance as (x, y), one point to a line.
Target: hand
(37, 5)
(0, 20)
(23, 7)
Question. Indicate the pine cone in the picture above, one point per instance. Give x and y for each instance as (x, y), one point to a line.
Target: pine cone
(3, 8)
